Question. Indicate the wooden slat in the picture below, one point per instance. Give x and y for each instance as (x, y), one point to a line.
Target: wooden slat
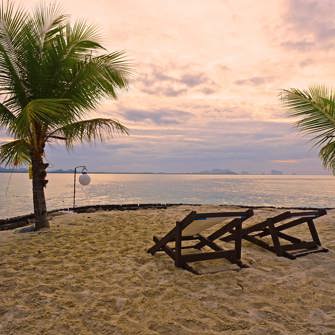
(188, 219)
(226, 228)
(258, 242)
(299, 246)
(189, 238)
(289, 237)
(247, 213)
(316, 213)
(238, 240)
(167, 249)
(312, 251)
(314, 233)
(170, 236)
(284, 226)
(291, 224)
(177, 259)
(279, 217)
(259, 226)
(209, 243)
(208, 255)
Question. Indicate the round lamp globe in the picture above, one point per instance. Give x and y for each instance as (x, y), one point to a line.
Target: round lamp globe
(84, 179)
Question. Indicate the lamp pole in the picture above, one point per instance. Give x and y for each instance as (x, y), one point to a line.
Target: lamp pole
(83, 167)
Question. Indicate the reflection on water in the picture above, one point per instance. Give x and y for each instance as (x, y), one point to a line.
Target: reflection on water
(309, 191)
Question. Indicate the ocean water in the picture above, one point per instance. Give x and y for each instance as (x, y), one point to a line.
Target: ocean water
(306, 191)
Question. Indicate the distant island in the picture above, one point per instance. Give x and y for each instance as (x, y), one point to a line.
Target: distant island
(218, 171)
(204, 172)
(14, 170)
(25, 170)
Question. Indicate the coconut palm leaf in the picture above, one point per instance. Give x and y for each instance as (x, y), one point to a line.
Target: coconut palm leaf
(48, 21)
(12, 20)
(311, 107)
(314, 110)
(7, 118)
(15, 153)
(41, 112)
(88, 130)
(327, 154)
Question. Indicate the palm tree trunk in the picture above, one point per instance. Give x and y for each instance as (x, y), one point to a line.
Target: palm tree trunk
(39, 182)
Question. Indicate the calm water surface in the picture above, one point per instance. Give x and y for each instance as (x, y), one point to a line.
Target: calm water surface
(309, 191)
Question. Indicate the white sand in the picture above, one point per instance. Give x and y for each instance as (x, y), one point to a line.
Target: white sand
(90, 274)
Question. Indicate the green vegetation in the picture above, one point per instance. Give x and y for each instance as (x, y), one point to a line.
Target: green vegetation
(52, 74)
(315, 110)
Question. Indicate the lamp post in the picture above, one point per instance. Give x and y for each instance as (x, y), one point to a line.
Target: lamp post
(84, 179)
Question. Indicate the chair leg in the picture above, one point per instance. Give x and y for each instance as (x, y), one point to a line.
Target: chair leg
(314, 232)
(178, 242)
(275, 240)
(190, 269)
(154, 248)
(242, 265)
(238, 241)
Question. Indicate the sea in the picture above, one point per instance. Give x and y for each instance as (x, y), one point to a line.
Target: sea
(253, 190)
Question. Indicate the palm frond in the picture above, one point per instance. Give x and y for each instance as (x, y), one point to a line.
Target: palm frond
(82, 31)
(43, 112)
(12, 20)
(48, 21)
(15, 153)
(327, 155)
(314, 109)
(115, 69)
(98, 77)
(7, 118)
(88, 130)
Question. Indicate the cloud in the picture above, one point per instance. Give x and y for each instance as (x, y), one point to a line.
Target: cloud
(157, 117)
(306, 62)
(298, 45)
(313, 22)
(192, 80)
(219, 144)
(156, 82)
(254, 81)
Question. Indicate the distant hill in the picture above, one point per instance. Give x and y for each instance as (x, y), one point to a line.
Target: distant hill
(61, 171)
(25, 170)
(218, 171)
(277, 172)
(17, 170)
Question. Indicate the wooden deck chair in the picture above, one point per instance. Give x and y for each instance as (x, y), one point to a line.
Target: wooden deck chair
(274, 227)
(191, 227)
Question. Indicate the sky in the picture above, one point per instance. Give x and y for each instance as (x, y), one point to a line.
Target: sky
(205, 91)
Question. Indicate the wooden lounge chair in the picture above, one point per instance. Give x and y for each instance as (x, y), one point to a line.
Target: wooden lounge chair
(191, 227)
(274, 228)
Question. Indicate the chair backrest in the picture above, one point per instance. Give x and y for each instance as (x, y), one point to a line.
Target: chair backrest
(199, 225)
(306, 214)
(195, 223)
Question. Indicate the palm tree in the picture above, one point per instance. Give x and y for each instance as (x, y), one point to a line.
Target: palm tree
(315, 110)
(52, 74)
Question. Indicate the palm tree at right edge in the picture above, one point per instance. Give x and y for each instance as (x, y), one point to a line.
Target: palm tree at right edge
(315, 110)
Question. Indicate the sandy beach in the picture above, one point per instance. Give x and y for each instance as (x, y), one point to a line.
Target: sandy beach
(90, 274)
